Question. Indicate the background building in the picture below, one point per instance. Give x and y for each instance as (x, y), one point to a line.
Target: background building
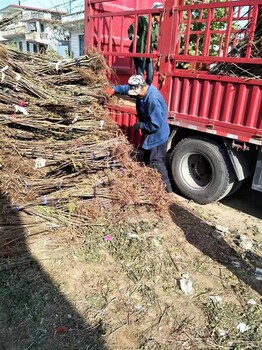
(74, 23)
(32, 29)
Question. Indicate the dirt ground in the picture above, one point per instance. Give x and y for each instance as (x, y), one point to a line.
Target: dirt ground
(126, 293)
(187, 278)
(242, 212)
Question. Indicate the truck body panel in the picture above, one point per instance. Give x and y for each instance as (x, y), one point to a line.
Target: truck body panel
(195, 38)
(195, 99)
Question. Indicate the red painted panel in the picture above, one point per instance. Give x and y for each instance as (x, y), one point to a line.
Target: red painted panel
(216, 102)
(195, 96)
(235, 107)
(175, 93)
(204, 102)
(228, 104)
(253, 110)
(185, 96)
(240, 104)
(126, 117)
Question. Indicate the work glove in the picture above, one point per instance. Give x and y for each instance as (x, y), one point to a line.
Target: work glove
(131, 36)
(136, 126)
(108, 91)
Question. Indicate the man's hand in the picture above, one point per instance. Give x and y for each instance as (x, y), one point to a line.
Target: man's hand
(108, 91)
(136, 126)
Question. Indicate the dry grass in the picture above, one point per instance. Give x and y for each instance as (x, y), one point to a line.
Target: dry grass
(3, 52)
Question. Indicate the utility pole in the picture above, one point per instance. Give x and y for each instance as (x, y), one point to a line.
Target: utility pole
(70, 6)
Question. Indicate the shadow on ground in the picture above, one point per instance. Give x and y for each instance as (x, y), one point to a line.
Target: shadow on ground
(201, 235)
(246, 200)
(33, 312)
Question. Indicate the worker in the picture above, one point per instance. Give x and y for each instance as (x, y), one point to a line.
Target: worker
(152, 115)
(143, 64)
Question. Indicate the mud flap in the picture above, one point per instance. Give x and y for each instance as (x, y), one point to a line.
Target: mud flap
(240, 160)
(257, 179)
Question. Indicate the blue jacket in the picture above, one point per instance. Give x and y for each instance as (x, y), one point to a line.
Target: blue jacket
(152, 118)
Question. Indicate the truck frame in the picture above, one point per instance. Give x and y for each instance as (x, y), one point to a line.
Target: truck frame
(215, 119)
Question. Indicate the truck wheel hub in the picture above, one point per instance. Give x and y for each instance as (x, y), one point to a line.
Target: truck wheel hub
(196, 170)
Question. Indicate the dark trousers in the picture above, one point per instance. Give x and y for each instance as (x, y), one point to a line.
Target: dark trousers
(145, 66)
(156, 158)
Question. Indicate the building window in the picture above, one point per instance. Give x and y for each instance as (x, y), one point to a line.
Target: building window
(81, 44)
(35, 48)
(32, 27)
(42, 27)
(20, 44)
(27, 46)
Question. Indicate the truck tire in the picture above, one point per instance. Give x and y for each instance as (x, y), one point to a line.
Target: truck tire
(201, 170)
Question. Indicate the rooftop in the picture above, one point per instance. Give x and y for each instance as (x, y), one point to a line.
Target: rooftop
(14, 8)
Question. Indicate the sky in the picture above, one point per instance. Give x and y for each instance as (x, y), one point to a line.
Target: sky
(60, 5)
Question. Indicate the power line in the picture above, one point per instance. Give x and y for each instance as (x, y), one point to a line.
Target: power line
(5, 3)
(54, 4)
(79, 8)
(67, 5)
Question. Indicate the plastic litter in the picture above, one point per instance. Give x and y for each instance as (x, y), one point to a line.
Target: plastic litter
(222, 332)
(251, 302)
(54, 225)
(242, 327)
(4, 68)
(133, 235)
(57, 65)
(75, 119)
(3, 74)
(40, 163)
(224, 230)
(236, 263)
(186, 284)
(18, 76)
(258, 274)
(244, 242)
(216, 299)
(16, 87)
(3, 77)
(139, 307)
(21, 109)
(107, 238)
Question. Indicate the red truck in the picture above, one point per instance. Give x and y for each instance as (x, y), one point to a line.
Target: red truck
(215, 118)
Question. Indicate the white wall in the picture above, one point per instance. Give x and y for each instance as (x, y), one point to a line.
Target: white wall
(74, 43)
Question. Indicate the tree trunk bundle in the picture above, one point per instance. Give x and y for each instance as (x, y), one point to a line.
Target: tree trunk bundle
(61, 156)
